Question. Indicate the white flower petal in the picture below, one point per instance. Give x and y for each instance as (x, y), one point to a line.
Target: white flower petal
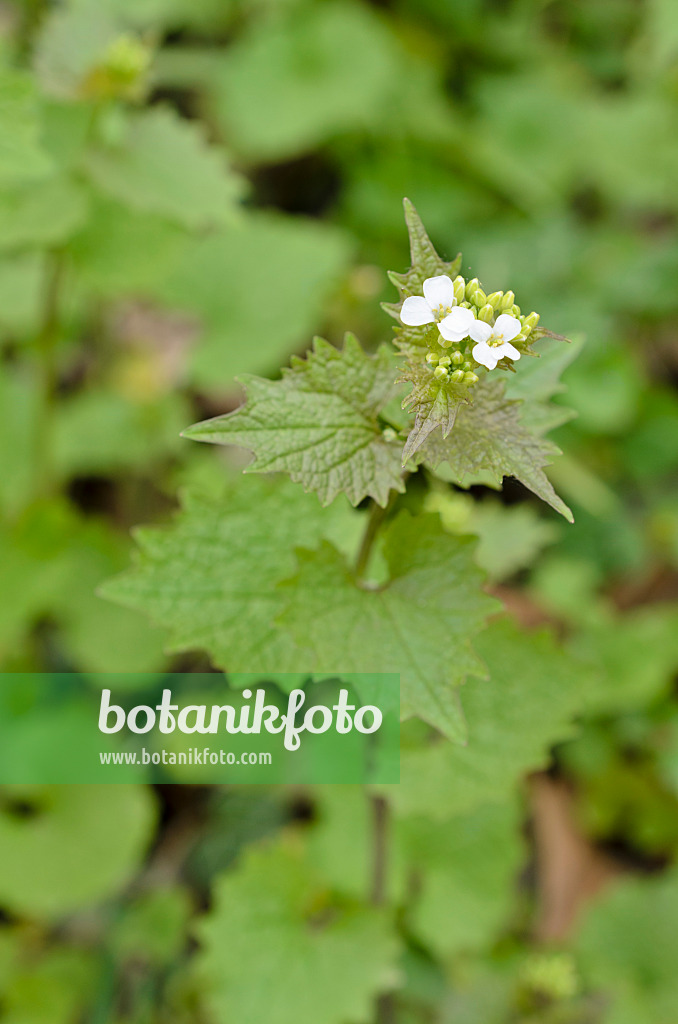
(456, 324)
(480, 331)
(510, 351)
(416, 311)
(439, 291)
(482, 353)
(508, 326)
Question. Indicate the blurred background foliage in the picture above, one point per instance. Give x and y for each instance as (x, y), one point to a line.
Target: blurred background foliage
(188, 190)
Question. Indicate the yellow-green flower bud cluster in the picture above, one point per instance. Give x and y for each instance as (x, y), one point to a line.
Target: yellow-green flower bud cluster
(453, 361)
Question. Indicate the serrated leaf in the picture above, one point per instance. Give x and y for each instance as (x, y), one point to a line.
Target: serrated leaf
(211, 578)
(419, 623)
(489, 437)
(513, 718)
(538, 380)
(163, 165)
(324, 960)
(425, 263)
(319, 424)
(437, 404)
(22, 158)
(425, 260)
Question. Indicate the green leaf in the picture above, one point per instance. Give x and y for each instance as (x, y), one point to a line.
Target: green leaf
(211, 578)
(489, 437)
(163, 165)
(629, 945)
(425, 263)
(319, 424)
(85, 864)
(125, 250)
(22, 158)
(259, 288)
(419, 623)
(293, 80)
(46, 212)
(528, 703)
(324, 960)
(466, 868)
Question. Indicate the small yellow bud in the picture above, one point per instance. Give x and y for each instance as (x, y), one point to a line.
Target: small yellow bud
(444, 360)
(459, 288)
(480, 298)
(466, 365)
(466, 304)
(495, 299)
(472, 287)
(515, 310)
(440, 371)
(432, 358)
(457, 376)
(531, 321)
(457, 358)
(508, 298)
(470, 378)
(486, 313)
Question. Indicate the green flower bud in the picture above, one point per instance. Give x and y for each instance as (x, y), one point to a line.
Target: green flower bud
(466, 304)
(457, 376)
(443, 342)
(472, 287)
(515, 310)
(444, 360)
(508, 298)
(531, 321)
(440, 371)
(480, 298)
(466, 365)
(457, 358)
(470, 378)
(486, 313)
(432, 358)
(459, 288)
(389, 434)
(495, 299)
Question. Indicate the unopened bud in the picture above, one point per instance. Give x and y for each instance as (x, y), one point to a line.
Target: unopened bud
(466, 304)
(389, 434)
(457, 358)
(440, 371)
(486, 313)
(457, 376)
(531, 320)
(470, 378)
(495, 299)
(432, 358)
(480, 298)
(444, 361)
(459, 285)
(466, 365)
(515, 310)
(507, 300)
(472, 287)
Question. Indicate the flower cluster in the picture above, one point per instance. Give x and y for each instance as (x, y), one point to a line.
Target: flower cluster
(473, 329)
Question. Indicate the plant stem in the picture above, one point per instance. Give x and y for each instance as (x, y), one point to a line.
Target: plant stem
(45, 344)
(385, 1004)
(376, 517)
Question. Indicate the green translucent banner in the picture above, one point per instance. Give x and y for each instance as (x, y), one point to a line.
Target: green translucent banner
(202, 728)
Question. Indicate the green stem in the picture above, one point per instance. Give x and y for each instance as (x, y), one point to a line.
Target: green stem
(45, 344)
(375, 520)
(385, 1009)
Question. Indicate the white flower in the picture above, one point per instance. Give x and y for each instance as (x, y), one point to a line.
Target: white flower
(494, 342)
(438, 305)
